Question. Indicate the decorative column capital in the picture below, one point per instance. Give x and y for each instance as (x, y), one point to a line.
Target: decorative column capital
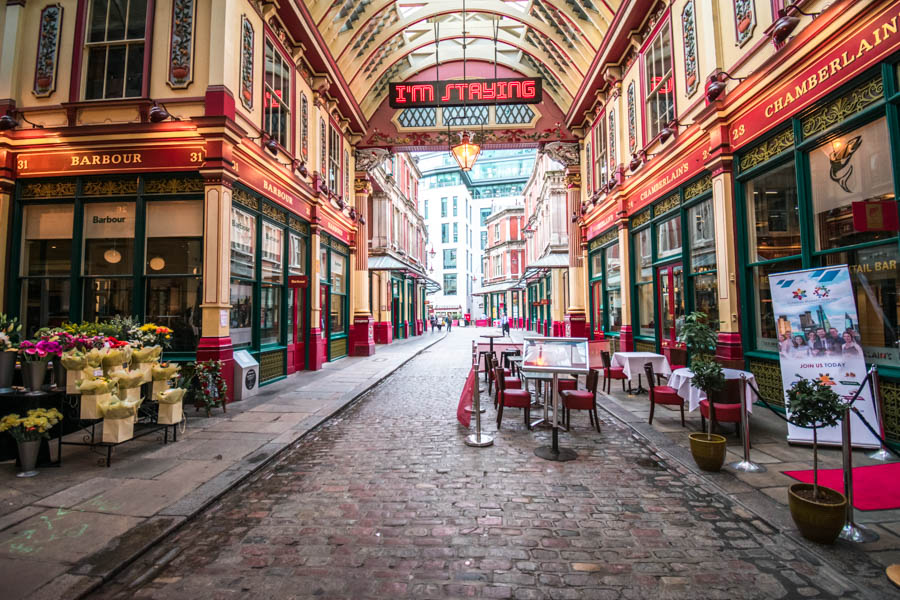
(563, 152)
(369, 158)
(362, 186)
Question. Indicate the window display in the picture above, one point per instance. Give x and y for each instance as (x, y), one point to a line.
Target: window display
(108, 260)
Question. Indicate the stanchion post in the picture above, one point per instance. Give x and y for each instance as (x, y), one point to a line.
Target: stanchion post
(476, 439)
(852, 532)
(746, 465)
(882, 453)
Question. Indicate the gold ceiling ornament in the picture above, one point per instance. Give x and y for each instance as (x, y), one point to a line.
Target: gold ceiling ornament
(768, 149)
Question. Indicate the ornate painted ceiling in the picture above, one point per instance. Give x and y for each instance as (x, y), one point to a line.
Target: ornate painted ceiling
(375, 42)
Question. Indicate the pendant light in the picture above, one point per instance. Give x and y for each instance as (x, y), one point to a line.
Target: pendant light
(466, 151)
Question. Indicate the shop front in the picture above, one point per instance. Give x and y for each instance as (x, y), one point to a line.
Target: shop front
(538, 292)
(334, 298)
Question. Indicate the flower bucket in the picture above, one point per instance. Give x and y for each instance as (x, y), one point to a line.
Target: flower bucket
(28, 454)
(34, 373)
(59, 373)
(170, 414)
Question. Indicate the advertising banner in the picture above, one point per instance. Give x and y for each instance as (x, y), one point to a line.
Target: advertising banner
(818, 339)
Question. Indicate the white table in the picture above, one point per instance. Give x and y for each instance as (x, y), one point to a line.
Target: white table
(632, 364)
(680, 381)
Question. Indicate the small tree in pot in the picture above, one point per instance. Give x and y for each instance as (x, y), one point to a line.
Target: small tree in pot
(700, 339)
(818, 511)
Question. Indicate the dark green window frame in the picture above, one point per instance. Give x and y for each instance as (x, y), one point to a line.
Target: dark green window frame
(597, 249)
(334, 246)
(789, 145)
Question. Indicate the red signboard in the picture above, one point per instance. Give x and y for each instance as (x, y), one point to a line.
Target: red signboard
(875, 215)
(510, 90)
(680, 171)
(335, 229)
(276, 191)
(600, 225)
(871, 41)
(296, 281)
(136, 160)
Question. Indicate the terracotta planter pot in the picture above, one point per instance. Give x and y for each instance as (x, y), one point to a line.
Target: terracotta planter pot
(44, 82)
(708, 452)
(818, 520)
(7, 370)
(744, 24)
(179, 72)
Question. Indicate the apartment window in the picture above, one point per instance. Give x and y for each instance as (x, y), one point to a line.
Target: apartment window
(660, 84)
(485, 213)
(600, 162)
(115, 49)
(445, 233)
(334, 161)
(443, 208)
(483, 240)
(450, 259)
(456, 232)
(450, 284)
(277, 96)
(426, 208)
(498, 266)
(455, 205)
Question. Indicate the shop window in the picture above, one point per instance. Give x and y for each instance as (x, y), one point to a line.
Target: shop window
(846, 173)
(277, 96)
(108, 265)
(297, 264)
(450, 284)
(270, 314)
(173, 268)
(600, 162)
(612, 285)
(338, 292)
(701, 231)
(46, 266)
(243, 276)
(773, 229)
(115, 49)
(450, 259)
(659, 84)
(643, 274)
(272, 272)
(668, 238)
(272, 246)
(765, 329)
(334, 161)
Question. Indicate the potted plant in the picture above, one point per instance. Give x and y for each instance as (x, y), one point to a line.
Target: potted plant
(35, 355)
(206, 385)
(818, 511)
(9, 336)
(28, 432)
(707, 448)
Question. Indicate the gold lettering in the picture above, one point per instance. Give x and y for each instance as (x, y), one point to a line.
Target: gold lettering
(889, 27)
(835, 66)
(779, 104)
(106, 159)
(74, 161)
(116, 159)
(788, 98)
(864, 47)
(847, 62)
(799, 90)
(823, 74)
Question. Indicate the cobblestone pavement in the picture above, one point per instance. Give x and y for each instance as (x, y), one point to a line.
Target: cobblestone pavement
(387, 502)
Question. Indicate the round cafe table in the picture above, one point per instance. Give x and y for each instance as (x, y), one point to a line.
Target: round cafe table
(680, 381)
(492, 337)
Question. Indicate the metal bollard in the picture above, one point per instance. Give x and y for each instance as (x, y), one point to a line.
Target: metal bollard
(477, 439)
(746, 465)
(882, 453)
(476, 364)
(852, 532)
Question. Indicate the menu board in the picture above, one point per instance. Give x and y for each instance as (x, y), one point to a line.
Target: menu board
(568, 355)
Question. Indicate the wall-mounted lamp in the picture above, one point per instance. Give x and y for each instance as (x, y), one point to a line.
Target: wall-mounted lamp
(671, 129)
(9, 121)
(786, 23)
(158, 114)
(639, 158)
(716, 84)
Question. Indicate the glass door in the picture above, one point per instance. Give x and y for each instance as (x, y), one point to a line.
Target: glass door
(325, 305)
(670, 279)
(597, 307)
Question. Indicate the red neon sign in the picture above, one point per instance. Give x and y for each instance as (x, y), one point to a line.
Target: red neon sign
(515, 90)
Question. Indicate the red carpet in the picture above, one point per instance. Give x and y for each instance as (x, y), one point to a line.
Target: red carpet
(876, 487)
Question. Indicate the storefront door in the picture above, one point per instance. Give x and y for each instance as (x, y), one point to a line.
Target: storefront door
(670, 279)
(298, 325)
(325, 304)
(597, 306)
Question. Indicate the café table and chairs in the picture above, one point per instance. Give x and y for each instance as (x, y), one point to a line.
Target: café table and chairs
(632, 364)
(517, 398)
(662, 394)
(585, 399)
(680, 381)
(484, 353)
(610, 372)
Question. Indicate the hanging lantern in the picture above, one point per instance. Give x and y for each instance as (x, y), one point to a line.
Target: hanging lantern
(465, 152)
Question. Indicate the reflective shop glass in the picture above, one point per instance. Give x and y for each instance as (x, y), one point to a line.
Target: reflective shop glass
(243, 244)
(643, 254)
(773, 219)
(47, 248)
(45, 303)
(612, 283)
(297, 264)
(706, 297)
(701, 231)
(876, 282)
(241, 322)
(272, 264)
(646, 319)
(338, 276)
(108, 265)
(766, 332)
(174, 238)
(848, 173)
(270, 315)
(175, 303)
(668, 238)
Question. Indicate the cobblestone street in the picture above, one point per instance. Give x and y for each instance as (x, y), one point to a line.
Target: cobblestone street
(386, 501)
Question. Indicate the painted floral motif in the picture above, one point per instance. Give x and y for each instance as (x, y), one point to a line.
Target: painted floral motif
(181, 47)
(612, 140)
(632, 120)
(588, 159)
(304, 127)
(246, 63)
(48, 50)
(323, 148)
(439, 138)
(689, 28)
(744, 20)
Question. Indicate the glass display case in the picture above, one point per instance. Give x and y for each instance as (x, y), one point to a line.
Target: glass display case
(555, 355)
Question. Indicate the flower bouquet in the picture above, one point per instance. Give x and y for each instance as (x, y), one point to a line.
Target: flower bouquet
(150, 334)
(76, 364)
(95, 395)
(162, 374)
(170, 407)
(28, 432)
(118, 420)
(35, 355)
(129, 382)
(143, 359)
(115, 355)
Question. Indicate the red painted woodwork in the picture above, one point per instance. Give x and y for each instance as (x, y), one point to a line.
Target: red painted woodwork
(134, 160)
(626, 339)
(362, 336)
(730, 350)
(576, 325)
(318, 349)
(209, 348)
(420, 327)
(384, 333)
(219, 101)
(558, 329)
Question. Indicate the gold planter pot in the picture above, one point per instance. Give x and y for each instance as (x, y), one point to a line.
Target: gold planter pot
(708, 451)
(818, 520)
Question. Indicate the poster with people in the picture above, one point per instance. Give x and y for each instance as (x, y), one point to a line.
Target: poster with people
(818, 339)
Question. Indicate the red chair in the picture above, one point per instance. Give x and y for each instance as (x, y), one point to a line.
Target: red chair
(509, 381)
(511, 397)
(725, 410)
(677, 358)
(566, 384)
(585, 399)
(662, 394)
(610, 372)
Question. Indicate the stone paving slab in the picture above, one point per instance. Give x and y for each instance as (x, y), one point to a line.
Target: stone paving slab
(68, 529)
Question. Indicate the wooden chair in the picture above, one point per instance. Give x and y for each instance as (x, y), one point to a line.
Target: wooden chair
(509, 381)
(610, 372)
(677, 358)
(726, 407)
(662, 394)
(516, 398)
(585, 399)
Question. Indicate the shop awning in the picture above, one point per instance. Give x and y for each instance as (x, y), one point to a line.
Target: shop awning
(385, 262)
(431, 286)
(554, 260)
(497, 287)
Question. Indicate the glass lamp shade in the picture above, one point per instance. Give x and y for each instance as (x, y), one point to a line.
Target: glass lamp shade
(465, 152)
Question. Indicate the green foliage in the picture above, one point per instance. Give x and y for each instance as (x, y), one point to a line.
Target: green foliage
(708, 375)
(205, 383)
(10, 328)
(90, 329)
(697, 335)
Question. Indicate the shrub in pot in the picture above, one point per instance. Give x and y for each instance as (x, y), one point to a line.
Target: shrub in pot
(819, 512)
(707, 448)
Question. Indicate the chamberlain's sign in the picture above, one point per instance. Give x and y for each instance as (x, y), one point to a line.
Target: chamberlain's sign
(513, 90)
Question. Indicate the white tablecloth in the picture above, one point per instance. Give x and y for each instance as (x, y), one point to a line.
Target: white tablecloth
(680, 380)
(632, 363)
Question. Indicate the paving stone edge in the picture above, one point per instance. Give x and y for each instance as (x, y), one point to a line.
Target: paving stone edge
(226, 481)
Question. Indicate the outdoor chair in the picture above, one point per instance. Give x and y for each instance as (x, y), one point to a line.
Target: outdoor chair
(726, 407)
(677, 360)
(585, 399)
(509, 381)
(662, 394)
(610, 372)
(516, 398)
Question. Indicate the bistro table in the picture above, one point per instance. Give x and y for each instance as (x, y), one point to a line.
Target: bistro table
(492, 337)
(633, 363)
(680, 381)
(540, 379)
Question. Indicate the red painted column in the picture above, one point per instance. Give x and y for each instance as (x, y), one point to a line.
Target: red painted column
(362, 331)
